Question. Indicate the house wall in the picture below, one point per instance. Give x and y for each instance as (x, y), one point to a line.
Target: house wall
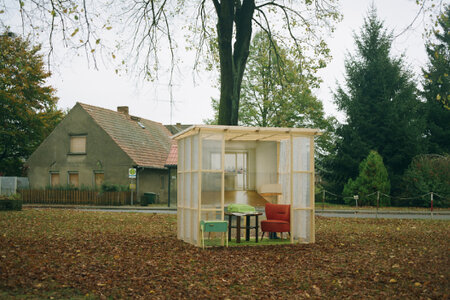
(154, 181)
(102, 154)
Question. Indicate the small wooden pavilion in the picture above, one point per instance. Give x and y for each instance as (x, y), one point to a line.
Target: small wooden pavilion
(216, 162)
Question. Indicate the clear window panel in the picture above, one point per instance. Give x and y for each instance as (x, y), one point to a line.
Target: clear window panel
(187, 154)
(195, 152)
(211, 190)
(301, 150)
(230, 162)
(211, 215)
(301, 196)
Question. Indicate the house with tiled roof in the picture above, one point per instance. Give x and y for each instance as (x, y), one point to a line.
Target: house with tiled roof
(93, 145)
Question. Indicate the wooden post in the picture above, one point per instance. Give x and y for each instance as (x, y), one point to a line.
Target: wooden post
(431, 207)
(323, 200)
(378, 202)
(291, 188)
(199, 187)
(222, 182)
(312, 194)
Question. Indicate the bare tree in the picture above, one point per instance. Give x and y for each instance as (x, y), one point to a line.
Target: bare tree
(148, 24)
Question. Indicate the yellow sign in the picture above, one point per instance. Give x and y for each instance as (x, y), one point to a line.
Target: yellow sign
(132, 186)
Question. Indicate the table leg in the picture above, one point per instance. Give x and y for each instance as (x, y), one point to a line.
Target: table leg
(238, 229)
(247, 228)
(229, 227)
(256, 228)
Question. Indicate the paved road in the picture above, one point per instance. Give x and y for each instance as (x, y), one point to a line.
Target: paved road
(385, 215)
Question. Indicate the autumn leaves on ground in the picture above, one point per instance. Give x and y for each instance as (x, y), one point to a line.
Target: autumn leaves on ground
(70, 254)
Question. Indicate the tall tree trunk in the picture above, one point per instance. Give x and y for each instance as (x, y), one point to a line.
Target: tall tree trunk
(225, 12)
(232, 61)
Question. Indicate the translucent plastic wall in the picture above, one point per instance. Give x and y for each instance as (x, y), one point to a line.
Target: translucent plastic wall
(201, 176)
(200, 183)
(297, 181)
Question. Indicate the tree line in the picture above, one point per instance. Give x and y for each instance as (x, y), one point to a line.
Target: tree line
(266, 79)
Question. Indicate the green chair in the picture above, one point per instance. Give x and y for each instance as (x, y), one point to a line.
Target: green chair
(213, 226)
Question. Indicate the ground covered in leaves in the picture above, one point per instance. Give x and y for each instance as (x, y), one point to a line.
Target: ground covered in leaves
(72, 254)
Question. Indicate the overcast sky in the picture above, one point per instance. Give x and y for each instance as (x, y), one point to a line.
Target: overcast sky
(74, 81)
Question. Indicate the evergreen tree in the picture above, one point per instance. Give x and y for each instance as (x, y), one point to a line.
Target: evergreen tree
(437, 86)
(381, 105)
(373, 177)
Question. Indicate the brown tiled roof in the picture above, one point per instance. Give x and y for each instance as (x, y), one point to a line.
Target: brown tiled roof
(147, 147)
(172, 159)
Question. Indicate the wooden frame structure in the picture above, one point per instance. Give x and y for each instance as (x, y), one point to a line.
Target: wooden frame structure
(283, 156)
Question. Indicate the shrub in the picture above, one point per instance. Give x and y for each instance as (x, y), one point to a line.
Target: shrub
(12, 202)
(372, 177)
(108, 187)
(428, 173)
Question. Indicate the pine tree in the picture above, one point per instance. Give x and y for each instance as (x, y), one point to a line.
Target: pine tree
(373, 178)
(382, 108)
(436, 87)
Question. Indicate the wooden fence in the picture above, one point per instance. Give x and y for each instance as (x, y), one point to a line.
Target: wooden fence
(76, 197)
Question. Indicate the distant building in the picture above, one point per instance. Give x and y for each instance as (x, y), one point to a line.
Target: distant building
(93, 145)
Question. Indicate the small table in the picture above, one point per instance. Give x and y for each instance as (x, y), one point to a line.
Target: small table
(238, 225)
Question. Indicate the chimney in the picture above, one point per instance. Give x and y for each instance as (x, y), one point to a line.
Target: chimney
(122, 109)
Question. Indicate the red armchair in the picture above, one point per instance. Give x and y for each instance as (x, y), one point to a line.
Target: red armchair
(278, 219)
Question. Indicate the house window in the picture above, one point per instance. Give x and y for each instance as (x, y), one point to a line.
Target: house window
(73, 179)
(54, 179)
(78, 144)
(99, 178)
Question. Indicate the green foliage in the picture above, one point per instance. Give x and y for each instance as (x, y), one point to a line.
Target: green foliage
(382, 108)
(69, 187)
(12, 202)
(277, 90)
(436, 87)
(28, 111)
(109, 187)
(373, 177)
(428, 173)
